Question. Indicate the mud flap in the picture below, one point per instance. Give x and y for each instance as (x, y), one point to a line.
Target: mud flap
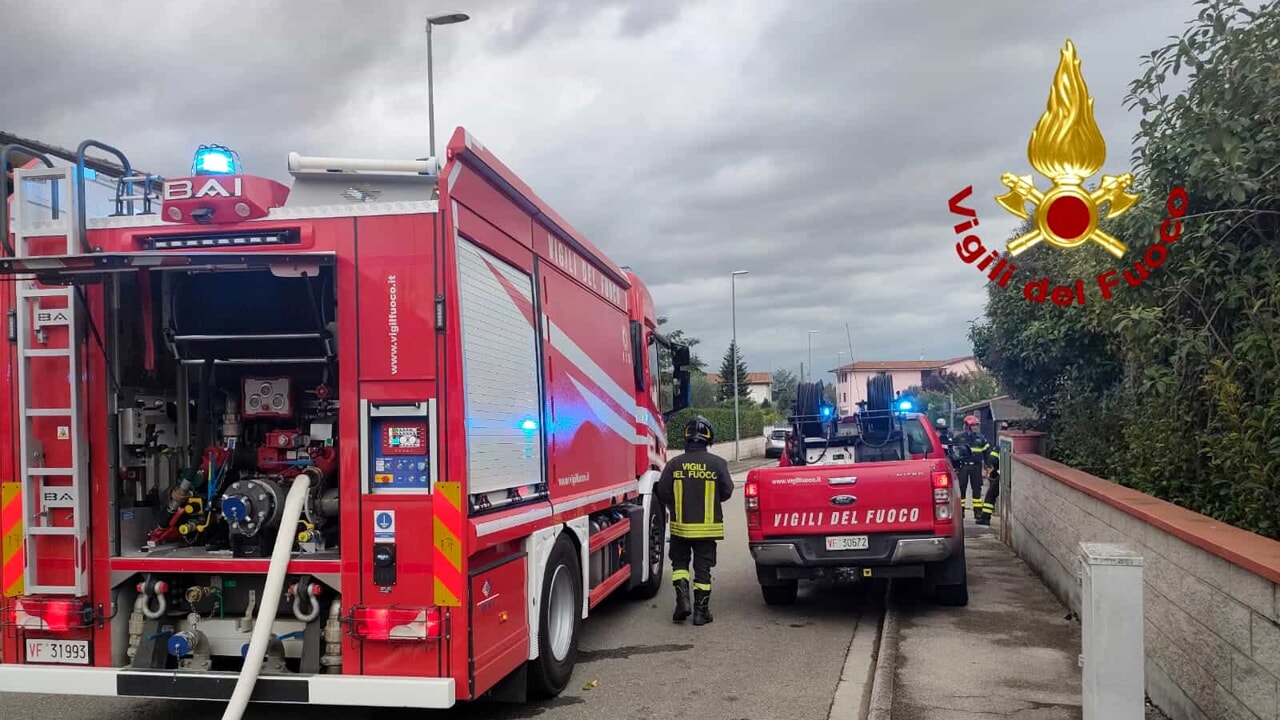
(635, 546)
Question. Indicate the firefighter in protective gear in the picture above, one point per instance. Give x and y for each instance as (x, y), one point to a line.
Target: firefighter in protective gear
(993, 484)
(944, 433)
(970, 469)
(693, 486)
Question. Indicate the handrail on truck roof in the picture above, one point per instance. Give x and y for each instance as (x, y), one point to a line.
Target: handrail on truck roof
(4, 175)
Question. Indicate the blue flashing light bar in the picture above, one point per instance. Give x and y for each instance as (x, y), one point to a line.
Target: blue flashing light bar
(905, 406)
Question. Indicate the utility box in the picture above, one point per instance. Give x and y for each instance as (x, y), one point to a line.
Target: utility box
(1114, 678)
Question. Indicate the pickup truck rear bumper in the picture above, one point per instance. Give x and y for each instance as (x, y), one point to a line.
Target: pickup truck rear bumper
(883, 549)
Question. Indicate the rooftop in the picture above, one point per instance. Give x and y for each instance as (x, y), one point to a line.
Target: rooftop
(889, 365)
(753, 378)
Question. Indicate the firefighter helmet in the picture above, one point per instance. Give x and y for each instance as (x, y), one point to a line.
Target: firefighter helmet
(970, 419)
(940, 423)
(699, 430)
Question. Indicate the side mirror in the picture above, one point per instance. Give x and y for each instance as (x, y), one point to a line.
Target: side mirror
(680, 356)
(684, 391)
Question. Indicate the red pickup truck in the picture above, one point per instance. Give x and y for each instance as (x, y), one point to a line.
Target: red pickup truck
(873, 494)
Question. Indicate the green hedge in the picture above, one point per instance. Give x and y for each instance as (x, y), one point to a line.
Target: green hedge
(750, 423)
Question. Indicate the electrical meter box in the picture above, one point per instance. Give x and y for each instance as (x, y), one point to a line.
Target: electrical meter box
(399, 447)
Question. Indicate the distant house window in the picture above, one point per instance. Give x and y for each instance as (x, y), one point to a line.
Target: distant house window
(844, 397)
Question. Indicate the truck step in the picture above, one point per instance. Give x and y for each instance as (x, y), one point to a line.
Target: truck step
(48, 530)
(43, 352)
(48, 412)
(46, 472)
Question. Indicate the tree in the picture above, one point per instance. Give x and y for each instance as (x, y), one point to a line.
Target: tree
(680, 338)
(941, 381)
(975, 387)
(784, 390)
(1173, 386)
(731, 364)
(702, 392)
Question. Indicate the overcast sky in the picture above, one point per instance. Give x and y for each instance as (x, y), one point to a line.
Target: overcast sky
(811, 143)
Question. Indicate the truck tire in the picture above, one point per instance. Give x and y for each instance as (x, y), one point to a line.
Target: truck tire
(781, 594)
(953, 593)
(560, 618)
(656, 552)
(776, 591)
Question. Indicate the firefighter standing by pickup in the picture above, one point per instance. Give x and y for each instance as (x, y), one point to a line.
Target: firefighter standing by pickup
(944, 433)
(993, 484)
(970, 468)
(693, 486)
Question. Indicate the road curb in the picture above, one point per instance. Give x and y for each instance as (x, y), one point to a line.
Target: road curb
(854, 691)
(880, 702)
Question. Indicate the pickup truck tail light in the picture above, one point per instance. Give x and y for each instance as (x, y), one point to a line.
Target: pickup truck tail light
(52, 615)
(942, 496)
(395, 623)
(751, 493)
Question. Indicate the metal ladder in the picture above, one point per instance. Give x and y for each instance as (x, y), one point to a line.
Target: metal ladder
(55, 499)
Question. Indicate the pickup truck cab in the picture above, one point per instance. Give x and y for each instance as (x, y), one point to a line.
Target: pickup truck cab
(872, 496)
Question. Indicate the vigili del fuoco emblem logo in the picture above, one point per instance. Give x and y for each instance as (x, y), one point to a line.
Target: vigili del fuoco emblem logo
(1067, 148)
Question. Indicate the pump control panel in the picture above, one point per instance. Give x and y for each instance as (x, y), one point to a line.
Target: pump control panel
(400, 460)
(399, 448)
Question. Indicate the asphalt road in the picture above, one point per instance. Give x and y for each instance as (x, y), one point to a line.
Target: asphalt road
(752, 663)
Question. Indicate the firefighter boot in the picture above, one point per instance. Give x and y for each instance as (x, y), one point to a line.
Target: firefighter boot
(701, 607)
(984, 515)
(682, 610)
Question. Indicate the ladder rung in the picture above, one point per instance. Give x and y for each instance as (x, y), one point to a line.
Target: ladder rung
(51, 589)
(49, 412)
(47, 530)
(44, 292)
(44, 352)
(46, 471)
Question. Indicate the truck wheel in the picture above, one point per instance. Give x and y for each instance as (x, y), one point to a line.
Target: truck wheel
(561, 615)
(781, 594)
(656, 552)
(952, 593)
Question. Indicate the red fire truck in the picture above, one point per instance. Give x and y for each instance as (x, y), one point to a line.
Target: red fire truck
(383, 437)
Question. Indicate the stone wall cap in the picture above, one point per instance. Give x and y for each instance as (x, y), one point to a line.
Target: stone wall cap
(1109, 554)
(1250, 551)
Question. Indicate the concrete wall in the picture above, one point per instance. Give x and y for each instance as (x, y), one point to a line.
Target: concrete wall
(748, 447)
(1212, 624)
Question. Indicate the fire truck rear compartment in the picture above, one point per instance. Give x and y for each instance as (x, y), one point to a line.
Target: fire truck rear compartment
(226, 397)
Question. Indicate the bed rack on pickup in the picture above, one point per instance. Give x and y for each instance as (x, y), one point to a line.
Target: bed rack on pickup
(874, 433)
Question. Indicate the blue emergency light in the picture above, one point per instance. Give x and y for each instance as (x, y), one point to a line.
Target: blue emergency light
(215, 160)
(905, 406)
(826, 411)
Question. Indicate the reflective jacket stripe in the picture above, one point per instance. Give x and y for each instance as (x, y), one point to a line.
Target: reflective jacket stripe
(698, 531)
(709, 501)
(679, 488)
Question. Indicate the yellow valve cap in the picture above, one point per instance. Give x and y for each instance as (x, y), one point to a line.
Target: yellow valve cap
(304, 536)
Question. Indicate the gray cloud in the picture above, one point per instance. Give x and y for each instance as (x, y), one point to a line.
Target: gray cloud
(813, 143)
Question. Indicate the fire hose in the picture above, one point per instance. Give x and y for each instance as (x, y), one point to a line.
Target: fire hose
(262, 635)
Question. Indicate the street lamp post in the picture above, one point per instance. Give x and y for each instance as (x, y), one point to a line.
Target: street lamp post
(733, 314)
(448, 19)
